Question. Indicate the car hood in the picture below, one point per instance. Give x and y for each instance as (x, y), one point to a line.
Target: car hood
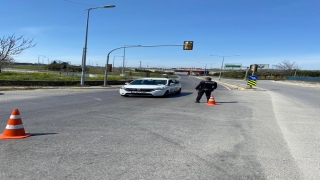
(144, 86)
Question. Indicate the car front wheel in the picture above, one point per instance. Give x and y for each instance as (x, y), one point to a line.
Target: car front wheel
(166, 94)
(178, 92)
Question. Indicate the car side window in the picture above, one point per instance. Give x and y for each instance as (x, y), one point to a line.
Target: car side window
(170, 82)
(160, 82)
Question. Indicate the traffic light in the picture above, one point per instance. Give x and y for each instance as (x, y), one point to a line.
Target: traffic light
(110, 67)
(254, 67)
(187, 45)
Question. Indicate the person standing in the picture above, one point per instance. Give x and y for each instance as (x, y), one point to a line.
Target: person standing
(207, 86)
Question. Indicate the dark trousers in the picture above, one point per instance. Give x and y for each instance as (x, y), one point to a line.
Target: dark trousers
(200, 94)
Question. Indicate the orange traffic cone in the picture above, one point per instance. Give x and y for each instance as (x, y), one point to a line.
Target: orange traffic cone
(211, 101)
(14, 128)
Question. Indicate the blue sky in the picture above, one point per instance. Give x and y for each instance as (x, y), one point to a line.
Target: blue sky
(262, 31)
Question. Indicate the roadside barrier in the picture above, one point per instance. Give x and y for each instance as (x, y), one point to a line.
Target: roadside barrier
(211, 101)
(14, 128)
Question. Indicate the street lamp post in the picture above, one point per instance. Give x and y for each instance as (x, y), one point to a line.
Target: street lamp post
(123, 59)
(221, 68)
(39, 62)
(223, 62)
(84, 54)
(113, 64)
(205, 68)
(69, 65)
(211, 65)
(48, 65)
(124, 56)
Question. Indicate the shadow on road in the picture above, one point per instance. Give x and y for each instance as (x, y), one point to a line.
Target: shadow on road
(1, 93)
(170, 96)
(42, 134)
(228, 102)
(179, 95)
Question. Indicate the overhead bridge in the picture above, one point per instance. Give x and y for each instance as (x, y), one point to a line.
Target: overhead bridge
(189, 71)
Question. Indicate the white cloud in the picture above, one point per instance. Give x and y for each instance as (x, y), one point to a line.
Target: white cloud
(32, 30)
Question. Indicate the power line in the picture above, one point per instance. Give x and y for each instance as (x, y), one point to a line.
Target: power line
(79, 3)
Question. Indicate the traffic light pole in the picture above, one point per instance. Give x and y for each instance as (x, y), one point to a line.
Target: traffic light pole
(246, 73)
(107, 61)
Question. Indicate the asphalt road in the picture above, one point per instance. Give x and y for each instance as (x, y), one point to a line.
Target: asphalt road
(296, 106)
(97, 134)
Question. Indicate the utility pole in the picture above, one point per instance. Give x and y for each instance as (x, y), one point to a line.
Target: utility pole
(123, 59)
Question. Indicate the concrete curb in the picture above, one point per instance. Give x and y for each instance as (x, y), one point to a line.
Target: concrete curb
(8, 88)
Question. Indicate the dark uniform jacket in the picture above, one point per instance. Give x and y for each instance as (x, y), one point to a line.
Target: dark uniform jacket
(207, 85)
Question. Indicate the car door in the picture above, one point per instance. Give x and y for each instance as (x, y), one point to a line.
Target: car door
(178, 85)
(172, 86)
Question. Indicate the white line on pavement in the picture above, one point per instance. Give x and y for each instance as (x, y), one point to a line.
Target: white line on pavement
(226, 87)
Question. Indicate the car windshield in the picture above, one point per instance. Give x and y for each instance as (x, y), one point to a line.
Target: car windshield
(148, 82)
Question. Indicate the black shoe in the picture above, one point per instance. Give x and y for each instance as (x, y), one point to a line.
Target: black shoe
(197, 102)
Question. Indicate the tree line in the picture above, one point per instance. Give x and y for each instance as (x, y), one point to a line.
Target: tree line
(58, 65)
(13, 45)
(279, 71)
(269, 73)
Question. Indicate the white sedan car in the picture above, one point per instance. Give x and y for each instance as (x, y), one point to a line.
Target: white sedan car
(151, 87)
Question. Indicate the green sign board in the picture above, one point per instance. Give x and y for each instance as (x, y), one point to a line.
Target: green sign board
(232, 66)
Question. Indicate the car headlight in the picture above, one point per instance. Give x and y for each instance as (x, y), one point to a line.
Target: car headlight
(159, 88)
(123, 88)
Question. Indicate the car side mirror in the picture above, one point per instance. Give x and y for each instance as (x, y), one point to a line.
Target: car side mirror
(126, 83)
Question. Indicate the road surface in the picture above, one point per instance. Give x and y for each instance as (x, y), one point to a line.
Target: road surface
(97, 134)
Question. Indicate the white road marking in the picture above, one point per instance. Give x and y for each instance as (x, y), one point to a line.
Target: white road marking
(261, 88)
(226, 87)
(98, 99)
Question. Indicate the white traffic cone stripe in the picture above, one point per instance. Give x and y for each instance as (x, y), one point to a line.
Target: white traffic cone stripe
(15, 117)
(20, 126)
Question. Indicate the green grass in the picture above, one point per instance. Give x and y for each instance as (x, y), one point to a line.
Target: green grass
(28, 67)
(49, 76)
(44, 75)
